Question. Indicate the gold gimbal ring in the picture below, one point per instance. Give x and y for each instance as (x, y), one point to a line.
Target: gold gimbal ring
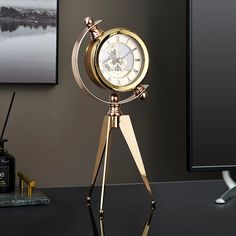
(78, 78)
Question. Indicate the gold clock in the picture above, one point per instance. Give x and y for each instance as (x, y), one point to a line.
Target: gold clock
(117, 59)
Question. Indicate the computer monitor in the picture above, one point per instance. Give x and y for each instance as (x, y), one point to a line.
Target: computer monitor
(211, 84)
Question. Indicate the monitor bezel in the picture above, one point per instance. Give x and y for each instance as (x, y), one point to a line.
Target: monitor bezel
(190, 163)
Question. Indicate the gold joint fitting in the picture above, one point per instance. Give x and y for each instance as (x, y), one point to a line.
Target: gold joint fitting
(114, 110)
(95, 31)
(141, 92)
(115, 121)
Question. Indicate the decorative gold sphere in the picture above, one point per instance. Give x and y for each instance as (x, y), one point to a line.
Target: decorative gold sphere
(88, 21)
(139, 91)
(144, 95)
(114, 98)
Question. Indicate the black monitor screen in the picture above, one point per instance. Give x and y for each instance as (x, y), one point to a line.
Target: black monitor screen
(212, 84)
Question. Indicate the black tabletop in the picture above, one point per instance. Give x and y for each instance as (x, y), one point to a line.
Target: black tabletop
(183, 208)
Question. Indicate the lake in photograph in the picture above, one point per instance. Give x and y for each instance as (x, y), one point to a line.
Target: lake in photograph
(28, 43)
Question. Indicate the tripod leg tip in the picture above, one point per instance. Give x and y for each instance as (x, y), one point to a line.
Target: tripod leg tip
(88, 201)
(153, 204)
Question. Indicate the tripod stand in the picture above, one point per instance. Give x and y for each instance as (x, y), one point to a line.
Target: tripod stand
(115, 119)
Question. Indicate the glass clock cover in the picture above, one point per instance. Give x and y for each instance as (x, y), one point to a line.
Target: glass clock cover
(120, 59)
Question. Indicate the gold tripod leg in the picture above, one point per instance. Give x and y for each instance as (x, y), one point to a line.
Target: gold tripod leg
(148, 223)
(106, 156)
(106, 127)
(129, 135)
(102, 228)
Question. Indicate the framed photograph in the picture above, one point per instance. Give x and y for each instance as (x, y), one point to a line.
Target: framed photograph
(28, 41)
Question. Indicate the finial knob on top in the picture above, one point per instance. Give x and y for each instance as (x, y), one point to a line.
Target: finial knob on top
(94, 30)
(88, 21)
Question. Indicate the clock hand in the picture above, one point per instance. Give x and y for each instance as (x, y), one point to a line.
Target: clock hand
(109, 57)
(116, 51)
(126, 55)
(112, 55)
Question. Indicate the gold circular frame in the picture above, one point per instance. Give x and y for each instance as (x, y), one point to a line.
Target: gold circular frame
(91, 60)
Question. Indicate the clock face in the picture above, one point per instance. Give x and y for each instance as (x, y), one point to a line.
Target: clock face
(120, 60)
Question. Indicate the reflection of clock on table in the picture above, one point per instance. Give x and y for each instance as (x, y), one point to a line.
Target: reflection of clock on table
(116, 59)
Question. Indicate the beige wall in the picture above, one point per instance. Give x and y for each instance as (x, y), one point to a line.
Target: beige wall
(54, 130)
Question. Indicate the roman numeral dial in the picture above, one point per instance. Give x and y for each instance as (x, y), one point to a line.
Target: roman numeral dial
(121, 60)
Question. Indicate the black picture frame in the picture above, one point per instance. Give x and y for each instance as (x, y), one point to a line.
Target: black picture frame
(55, 78)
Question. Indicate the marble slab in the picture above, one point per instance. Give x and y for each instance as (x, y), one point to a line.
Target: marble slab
(20, 198)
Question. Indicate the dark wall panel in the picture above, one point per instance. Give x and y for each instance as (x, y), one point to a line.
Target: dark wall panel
(54, 130)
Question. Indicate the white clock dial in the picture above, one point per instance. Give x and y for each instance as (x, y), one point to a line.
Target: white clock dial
(120, 59)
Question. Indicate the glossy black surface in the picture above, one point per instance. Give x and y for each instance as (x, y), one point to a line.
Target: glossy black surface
(185, 208)
(212, 72)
